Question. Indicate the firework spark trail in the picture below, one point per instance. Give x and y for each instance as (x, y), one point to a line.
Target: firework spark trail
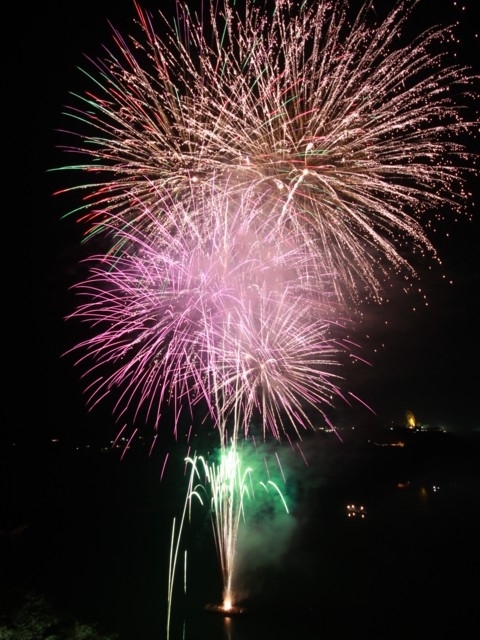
(227, 483)
(348, 136)
(229, 487)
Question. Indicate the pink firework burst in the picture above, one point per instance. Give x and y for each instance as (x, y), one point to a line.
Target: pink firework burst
(215, 304)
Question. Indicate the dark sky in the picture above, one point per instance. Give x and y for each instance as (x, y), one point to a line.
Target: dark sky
(424, 360)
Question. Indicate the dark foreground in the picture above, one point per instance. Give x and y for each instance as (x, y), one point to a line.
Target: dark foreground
(91, 536)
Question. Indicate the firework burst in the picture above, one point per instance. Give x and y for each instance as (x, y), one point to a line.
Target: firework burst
(348, 136)
(212, 306)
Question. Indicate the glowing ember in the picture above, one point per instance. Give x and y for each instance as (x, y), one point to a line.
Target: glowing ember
(225, 610)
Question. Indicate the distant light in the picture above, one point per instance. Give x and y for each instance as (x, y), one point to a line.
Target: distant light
(354, 511)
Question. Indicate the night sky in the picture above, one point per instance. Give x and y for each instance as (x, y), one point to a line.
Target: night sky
(98, 529)
(423, 360)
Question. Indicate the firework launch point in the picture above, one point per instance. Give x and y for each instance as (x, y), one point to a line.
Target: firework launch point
(225, 611)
